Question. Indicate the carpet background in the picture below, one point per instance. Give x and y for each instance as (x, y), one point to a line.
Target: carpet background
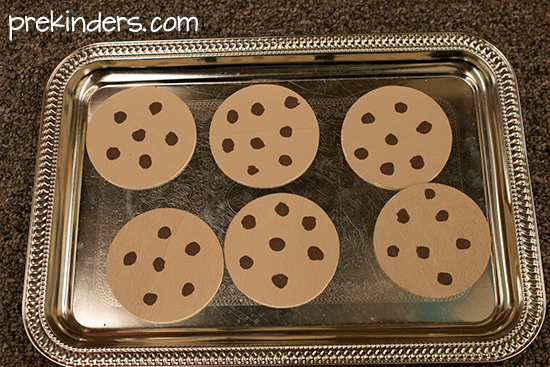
(520, 29)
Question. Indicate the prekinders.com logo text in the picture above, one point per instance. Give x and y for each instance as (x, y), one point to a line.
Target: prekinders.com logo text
(69, 23)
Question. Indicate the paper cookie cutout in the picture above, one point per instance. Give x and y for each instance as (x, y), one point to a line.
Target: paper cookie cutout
(432, 240)
(264, 136)
(141, 137)
(394, 137)
(281, 250)
(165, 265)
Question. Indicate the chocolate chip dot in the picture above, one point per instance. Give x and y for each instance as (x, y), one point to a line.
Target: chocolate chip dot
(285, 160)
(403, 216)
(145, 161)
(368, 118)
(252, 170)
(277, 244)
(155, 108)
(442, 216)
(257, 143)
(138, 135)
(444, 278)
(192, 249)
(130, 258)
(400, 107)
(246, 262)
(164, 233)
(171, 139)
(429, 193)
(149, 299)
(417, 162)
(248, 222)
(282, 209)
(387, 169)
(315, 254)
(291, 102)
(158, 264)
(309, 223)
(391, 139)
(423, 252)
(113, 153)
(120, 117)
(361, 153)
(463, 244)
(424, 127)
(393, 251)
(286, 132)
(228, 145)
(232, 116)
(280, 280)
(188, 288)
(257, 109)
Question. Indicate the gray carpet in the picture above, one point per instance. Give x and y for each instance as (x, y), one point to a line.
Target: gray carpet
(520, 29)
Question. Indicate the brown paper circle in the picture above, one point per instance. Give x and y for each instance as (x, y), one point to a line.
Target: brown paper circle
(432, 240)
(264, 136)
(395, 136)
(169, 256)
(141, 137)
(281, 250)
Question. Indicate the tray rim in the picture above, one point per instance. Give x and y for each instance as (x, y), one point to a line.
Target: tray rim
(532, 313)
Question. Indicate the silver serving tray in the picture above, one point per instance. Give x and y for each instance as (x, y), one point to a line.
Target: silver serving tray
(362, 317)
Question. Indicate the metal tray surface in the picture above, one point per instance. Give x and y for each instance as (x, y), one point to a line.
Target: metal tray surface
(72, 317)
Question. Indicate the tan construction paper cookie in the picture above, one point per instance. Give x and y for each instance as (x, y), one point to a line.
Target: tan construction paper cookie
(432, 240)
(264, 136)
(281, 250)
(141, 137)
(394, 137)
(165, 265)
